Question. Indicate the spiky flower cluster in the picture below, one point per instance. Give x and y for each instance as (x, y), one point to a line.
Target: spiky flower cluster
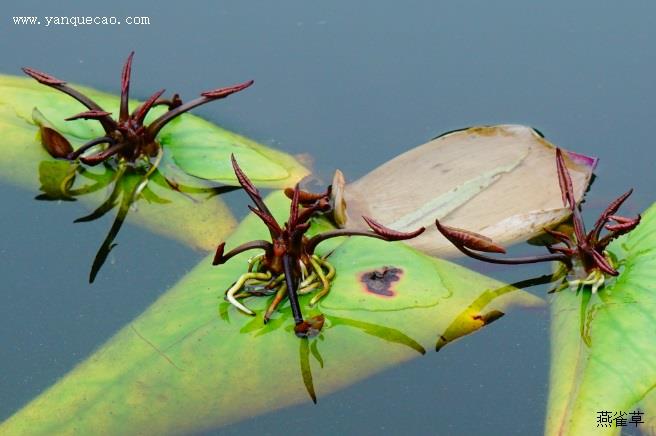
(127, 137)
(289, 266)
(583, 251)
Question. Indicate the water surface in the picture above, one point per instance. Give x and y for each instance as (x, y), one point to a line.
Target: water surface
(352, 85)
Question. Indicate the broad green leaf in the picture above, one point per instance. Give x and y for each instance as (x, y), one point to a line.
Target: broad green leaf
(192, 361)
(649, 407)
(499, 181)
(604, 345)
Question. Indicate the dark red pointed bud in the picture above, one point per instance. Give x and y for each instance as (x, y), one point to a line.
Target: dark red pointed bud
(615, 205)
(607, 214)
(389, 234)
(42, 77)
(89, 115)
(625, 226)
(55, 143)
(602, 263)
(141, 113)
(565, 181)
(559, 236)
(622, 219)
(218, 256)
(268, 220)
(248, 186)
(243, 179)
(125, 88)
(293, 208)
(304, 197)
(468, 239)
(224, 92)
(125, 74)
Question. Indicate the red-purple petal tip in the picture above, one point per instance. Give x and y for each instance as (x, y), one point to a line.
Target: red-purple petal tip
(243, 180)
(565, 181)
(603, 264)
(42, 77)
(469, 239)
(390, 234)
(142, 111)
(218, 256)
(89, 115)
(224, 92)
(268, 220)
(55, 143)
(624, 225)
(125, 75)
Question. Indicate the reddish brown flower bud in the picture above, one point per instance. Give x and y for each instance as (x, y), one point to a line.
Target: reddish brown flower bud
(390, 234)
(55, 143)
(224, 92)
(42, 77)
(468, 239)
(89, 115)
(218, 256)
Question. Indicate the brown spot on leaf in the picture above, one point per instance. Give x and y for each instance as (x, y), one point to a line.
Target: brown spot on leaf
(380, 281)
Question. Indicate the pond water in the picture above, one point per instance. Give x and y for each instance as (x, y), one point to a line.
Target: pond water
(351, 85)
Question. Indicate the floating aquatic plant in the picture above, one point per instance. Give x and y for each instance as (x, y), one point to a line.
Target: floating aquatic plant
(180, 348)
(289, 266)
(126, 137)
(129, 147)
(604, 343)
(69, 180)
(582, 253)
(175, 204)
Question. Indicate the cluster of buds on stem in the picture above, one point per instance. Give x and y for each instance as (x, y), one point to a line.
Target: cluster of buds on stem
(288, 266)
(583, 251)
(127, 137)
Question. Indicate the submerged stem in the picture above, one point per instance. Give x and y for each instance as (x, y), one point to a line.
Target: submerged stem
(84, 147)
(554, 257)
(291, 290)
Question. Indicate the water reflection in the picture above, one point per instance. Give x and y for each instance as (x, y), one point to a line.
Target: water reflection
(129, 187)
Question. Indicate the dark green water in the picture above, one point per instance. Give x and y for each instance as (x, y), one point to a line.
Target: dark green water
(353, 85)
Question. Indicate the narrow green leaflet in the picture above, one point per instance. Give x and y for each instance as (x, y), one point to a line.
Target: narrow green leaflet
(604, 345)
(188, 211)
(192, 361)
